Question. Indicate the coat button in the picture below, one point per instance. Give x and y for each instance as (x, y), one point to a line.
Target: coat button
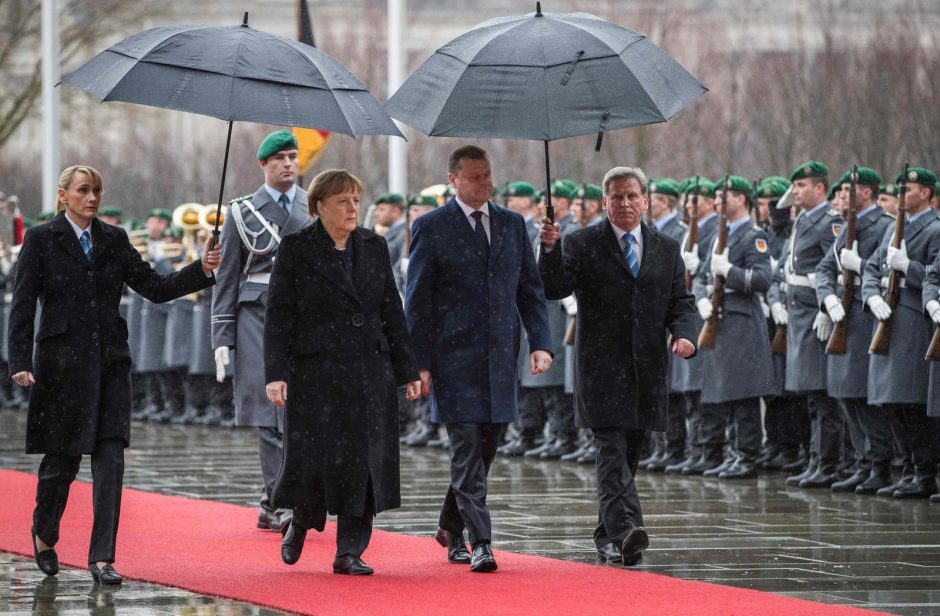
(357, 320)
(91, 273)
(94, 335)
(92, 303)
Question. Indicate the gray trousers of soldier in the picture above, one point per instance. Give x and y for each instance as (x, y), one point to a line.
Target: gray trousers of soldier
(869, 431)
(826, 428)
(271, 450)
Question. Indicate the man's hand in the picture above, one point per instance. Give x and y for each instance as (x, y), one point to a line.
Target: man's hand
(221, 361)
(835, 308)
(879, 307)
(682, 348)
(413, 390)
(823, 326)
(549, 233)
(539, 361)
(24, 379)
(704, 306)
(721, 264)
(211, 258)
(691, 259)
(850, 258)
(277, 392)
(897, 258)
(425, 383)
(779, 313)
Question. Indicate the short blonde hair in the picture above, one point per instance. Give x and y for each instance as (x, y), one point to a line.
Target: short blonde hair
(65, 179)
(625, 173)
(328, 183)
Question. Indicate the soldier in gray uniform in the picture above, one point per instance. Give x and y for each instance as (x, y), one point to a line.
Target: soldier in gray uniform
(809, 328)
(251, 234)
(847, 376)
(899, 380)
(931, 298)
(390, 213)
(739, 370)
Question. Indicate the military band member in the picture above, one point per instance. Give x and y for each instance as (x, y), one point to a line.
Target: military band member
(898, 381)
(847, 374)
(251, 234)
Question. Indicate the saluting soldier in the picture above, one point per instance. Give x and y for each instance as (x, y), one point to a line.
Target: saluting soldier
(251, 233)
(809, 328)
(898, 381)
(847, 373)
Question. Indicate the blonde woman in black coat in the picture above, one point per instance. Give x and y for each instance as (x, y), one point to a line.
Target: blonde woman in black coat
(80, 394)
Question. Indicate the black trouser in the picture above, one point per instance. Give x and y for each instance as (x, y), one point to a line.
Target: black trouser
(744, 417)
(353, 532)
(56, 474)
(271, 450)
(675, 437)
(918, 436)
(618, 455)
(869, 430)
(472, 449)
(713, 429)
(694, 440)
(826, 422)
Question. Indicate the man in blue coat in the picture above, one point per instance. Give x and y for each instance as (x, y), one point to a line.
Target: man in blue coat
(471, 275)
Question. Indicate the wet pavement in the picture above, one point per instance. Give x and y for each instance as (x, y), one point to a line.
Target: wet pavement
(842, 549)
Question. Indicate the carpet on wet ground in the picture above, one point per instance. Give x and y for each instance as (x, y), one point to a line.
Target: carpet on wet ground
(213, 548)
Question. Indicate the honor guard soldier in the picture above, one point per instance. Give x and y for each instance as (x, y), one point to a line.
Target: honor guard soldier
(898, 380)
(251, 233)
(111, 214)
(808, 327)
(390, 213)
(847, 367)
(888, 199)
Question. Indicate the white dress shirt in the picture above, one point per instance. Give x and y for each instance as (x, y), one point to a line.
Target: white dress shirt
(468, 211)
(637, 234)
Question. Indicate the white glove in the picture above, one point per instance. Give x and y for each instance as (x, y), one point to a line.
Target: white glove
(850, 259)
(221, 361)
(779, 313)
(823, 326)
(403, 265)
(933, 309)
(691, 259)
(835, 308)
(773, 264)
(897, 258)
(704, 306)
(571, 305)
(764, 308)
(721, 265)
(879, 308)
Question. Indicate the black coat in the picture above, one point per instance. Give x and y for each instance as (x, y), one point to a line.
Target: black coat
(620, 346)
(342, 346)
(82, 362)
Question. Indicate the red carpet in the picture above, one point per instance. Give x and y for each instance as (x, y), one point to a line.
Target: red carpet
(213, 548)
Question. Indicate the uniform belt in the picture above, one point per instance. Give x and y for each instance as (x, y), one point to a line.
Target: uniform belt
(884, 283)
(795, 280)
(856, 282)
(260, 278)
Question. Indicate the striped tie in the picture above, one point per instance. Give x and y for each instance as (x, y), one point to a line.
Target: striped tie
(86, 244)
(629, 253)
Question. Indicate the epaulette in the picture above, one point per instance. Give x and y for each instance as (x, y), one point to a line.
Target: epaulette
(240, 199)
(833, 212)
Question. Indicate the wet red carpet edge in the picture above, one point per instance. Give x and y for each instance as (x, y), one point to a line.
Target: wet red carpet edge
(213, 549)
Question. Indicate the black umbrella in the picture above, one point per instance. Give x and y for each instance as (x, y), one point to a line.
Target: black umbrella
(543, 76)
(234, 73)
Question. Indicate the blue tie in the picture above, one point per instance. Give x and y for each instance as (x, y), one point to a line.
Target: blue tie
(86, 244)
(629, 253)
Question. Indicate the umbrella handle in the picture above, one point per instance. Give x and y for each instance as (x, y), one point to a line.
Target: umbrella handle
(218, 209)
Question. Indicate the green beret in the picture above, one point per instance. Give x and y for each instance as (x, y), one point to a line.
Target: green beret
(704, 188)
(832, 191)
(45, 216)
(590, 192)
(779, 179)
(539, 195)
(136, 224)
(430, 200)
(773, 188)
(810, 169)
(172, 232)
(737, 184)
(390, 197)
(111, 210)
(866, 176)
(665, 186)
(888, 189)
(275, 142)
(918, 175)
(520, 189)
(28, 222)
(159, 212)
(564, 189)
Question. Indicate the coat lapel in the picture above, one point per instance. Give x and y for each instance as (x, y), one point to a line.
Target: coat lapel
(323, 260)
(911, 230)
(268, 208)
(66, 237)
(298, 213)
(609, 241)
(498, 227)
(101, 238)
(366, 262)
(650, 250)
(463, 230)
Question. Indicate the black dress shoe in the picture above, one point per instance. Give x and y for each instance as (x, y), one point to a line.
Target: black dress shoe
(797, 463)
(849, 485)
(457, 552)
(292, 545)
(482, 560)
(879, 478)
(822, 478)
(610, 553)
(794, 480)
(662, 464)
(632, 549)
(718, 469)
(739, 470)
(921, 487)
(558, 448)
(676, 469)
(589, 456)
(347, 564)
(935, 499)
(269, 520)
(536, 452)
(701, 465)
(516, 448)
(577, 453)
(47, 560)
(889, 489)
(105, 575)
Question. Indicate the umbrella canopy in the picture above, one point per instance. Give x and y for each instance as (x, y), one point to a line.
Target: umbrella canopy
(543, 76)
(234, 73)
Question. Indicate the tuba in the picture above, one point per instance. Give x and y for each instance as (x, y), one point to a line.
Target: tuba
(187, 218)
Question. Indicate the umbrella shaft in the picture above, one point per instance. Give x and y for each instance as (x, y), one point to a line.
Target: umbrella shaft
(218, 211)
(549, 210)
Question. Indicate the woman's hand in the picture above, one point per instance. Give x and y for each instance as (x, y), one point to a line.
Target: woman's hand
(212, 257)
(413, 390)
(277, 393)
(24, 379)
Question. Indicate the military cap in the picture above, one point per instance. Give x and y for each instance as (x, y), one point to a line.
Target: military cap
(737, 184)
(430, 200)
(918, 175)
(773, 188)
(390, 197)
(539, 194)
(159, 212)
(665, 186)
(866, 176)
(832, 191)
(520, 189)
(810, 169)
(275, 142)
(136, 224)
(172, 232)
(704, 188)
(591, 192)
(45, 216)
(565, 189)
(111, 210)
(888, 189)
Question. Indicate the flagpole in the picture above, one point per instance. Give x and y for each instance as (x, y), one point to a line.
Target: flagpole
(397, 148)
(50, 104)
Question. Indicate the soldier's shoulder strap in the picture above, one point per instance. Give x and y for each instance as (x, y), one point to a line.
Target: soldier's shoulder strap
(241, 207)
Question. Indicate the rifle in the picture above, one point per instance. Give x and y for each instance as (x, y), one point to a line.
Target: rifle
(840, 331)
(693, 228)
(706, 339)
(882, 338)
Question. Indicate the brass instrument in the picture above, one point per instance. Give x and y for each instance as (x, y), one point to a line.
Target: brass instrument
(187, 218)
(138, 238)
(207, 216)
